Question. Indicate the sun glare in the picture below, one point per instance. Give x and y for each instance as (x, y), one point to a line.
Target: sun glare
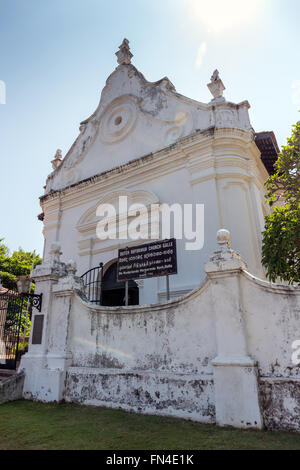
(219, 15)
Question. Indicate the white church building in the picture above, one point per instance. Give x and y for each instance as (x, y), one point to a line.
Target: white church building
(222, 349)
(155, 146)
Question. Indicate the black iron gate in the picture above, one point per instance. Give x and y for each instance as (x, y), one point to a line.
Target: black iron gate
(104, 289)
(12, 312)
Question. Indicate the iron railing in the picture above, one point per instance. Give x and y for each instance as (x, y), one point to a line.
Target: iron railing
(107, 290)
(92, 281)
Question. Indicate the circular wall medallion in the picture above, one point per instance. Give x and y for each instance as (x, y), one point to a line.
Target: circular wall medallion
(117, 122)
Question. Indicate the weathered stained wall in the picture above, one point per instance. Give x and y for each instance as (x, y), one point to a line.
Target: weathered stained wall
(11, 388)
(223, 353)
(188, 396)
(176, 336)
(150, 359)
(158, 359)
(280, 402)
(272, 324)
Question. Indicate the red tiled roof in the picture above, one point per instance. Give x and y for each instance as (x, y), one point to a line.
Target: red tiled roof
(267, 144)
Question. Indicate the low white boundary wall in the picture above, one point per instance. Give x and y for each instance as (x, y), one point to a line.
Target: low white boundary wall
(221, 354)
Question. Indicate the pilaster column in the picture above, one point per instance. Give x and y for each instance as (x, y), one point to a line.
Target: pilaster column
(46, 362)
(235, 373)
(58, 354)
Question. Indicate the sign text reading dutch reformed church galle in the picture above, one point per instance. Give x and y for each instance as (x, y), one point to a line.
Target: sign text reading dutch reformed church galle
(148, 260)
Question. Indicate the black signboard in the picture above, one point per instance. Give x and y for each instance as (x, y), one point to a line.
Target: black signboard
(148, 260)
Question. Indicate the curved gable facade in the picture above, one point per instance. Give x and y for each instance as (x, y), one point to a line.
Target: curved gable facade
(156, 146)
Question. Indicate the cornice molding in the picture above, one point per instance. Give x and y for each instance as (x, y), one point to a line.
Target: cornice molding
(146, 168)
(173, 152)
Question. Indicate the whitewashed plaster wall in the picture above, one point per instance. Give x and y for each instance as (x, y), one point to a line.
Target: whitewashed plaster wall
(177, 345)
(222, 353)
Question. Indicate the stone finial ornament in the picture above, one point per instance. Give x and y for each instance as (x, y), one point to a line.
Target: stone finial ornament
(223, 239)
(124, 55)
(56, 162)
(215, 76)
(216, 87)
(71, 267)
(224, 258)
(55, 251)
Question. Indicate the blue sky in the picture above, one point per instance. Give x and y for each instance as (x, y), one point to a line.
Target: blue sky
(57, 54)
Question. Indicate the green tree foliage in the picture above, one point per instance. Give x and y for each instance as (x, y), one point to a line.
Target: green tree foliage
(281, 238)
(16, 264)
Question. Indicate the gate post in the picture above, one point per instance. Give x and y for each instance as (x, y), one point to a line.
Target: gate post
(47, 359)
(235, 373)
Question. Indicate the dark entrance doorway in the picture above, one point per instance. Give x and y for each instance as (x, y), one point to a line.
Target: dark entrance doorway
(113, 292)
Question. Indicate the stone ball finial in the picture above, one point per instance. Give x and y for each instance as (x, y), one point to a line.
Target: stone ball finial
(224, 238)
(224, 258)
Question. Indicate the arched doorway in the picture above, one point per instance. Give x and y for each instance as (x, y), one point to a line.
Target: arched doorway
(113, 292)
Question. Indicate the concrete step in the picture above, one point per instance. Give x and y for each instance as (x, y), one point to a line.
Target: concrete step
(6, 373)
(11, 387)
